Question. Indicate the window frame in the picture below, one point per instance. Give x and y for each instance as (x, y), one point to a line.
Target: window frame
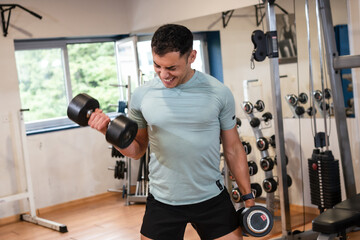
(60, 123)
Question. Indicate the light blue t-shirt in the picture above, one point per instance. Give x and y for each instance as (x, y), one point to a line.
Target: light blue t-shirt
(184, 125)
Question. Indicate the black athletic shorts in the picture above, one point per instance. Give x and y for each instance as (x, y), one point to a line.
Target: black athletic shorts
(211, 219)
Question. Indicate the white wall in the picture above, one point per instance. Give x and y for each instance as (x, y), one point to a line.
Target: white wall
(72, 164)
(64, 164)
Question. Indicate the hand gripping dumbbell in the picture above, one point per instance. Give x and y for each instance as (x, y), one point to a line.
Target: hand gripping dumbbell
(120, 132)
(255, 221)
(255, 189)
(270, 184)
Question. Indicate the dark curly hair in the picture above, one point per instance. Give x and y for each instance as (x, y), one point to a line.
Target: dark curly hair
(172, 38)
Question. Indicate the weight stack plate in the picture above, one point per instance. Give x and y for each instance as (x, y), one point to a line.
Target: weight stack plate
(324, 178)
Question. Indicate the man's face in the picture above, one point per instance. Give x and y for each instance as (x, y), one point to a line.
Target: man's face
(172, 69)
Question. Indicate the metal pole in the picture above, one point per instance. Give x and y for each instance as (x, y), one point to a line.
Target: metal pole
(279, 129)
(338, 98)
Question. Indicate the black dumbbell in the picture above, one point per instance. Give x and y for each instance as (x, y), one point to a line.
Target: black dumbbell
(119, 170)
(311, 111)
(326, 106)
(256, 189)
(255, 221)
(317, 95)
(299, 110)
(121, 131)
(272, 141)
(267, 116)
(248, 107)
(238, 122)
(286, 160)
(247, 147)
(253, 169)
(266, 164)
(115, 153)
(270, 184)
(327, 93)
(292, 99)
(262, 144)
(303, 98)
(255, 122)
(259, 105)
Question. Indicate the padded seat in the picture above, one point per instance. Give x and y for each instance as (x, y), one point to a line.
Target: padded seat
(335, 220)
(351, 204)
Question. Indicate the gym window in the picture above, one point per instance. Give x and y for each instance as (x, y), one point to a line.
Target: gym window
(52, 71)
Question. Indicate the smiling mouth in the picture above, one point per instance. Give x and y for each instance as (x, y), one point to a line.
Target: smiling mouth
(168, 80)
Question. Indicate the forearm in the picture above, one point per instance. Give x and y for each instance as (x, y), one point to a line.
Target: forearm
(135, 150)
(237, 163)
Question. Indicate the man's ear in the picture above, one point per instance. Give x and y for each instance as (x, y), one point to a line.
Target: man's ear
(192, 56)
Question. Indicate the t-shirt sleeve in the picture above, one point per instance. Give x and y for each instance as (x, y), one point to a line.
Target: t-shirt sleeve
(135, 109)
(227, 114)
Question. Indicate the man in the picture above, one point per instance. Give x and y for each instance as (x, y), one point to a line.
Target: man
(183, 113)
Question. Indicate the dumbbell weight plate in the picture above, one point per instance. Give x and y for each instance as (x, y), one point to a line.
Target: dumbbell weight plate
(256, 221)
(267, 164)
(269, 185)
(247, 147)
(262, 144)
(260, 105)
(121, 131)
(256, 189)
(248, 107)
(253, 169)
(80, 108)
(235, 194)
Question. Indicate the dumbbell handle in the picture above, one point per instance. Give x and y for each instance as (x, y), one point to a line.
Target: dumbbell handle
(88, 114)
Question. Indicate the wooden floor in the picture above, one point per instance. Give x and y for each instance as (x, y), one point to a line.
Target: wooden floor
(105, 218)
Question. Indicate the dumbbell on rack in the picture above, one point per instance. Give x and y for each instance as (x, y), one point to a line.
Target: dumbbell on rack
(286, 160)
(247, 147)
(270, 184)
(249, 107)
(238, 122)
(255, 122)
(119, 169)
(120, 132)
(293, 100)
(253, 169)
(262, 143)
(255, 189)
(266, 164)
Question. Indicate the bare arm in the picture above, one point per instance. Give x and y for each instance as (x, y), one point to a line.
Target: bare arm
(100, 121)
(237, 162)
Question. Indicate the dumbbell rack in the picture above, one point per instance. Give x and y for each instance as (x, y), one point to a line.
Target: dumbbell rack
(270, 199)
(142, 185)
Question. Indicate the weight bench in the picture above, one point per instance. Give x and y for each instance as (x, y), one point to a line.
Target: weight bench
(339, 220)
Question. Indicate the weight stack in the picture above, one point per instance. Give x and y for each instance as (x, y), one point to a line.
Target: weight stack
(324, 179)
